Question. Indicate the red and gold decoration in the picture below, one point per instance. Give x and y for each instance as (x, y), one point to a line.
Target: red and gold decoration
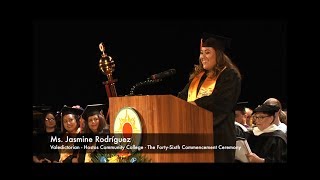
(127, 125)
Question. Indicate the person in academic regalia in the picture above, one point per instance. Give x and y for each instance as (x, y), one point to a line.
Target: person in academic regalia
(70, 119)
(95, 125)
(241, 120)
(281, 121)
(267, 142)
(42, 152)
(215, 85)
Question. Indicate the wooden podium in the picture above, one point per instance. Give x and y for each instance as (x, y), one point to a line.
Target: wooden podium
(169, 115)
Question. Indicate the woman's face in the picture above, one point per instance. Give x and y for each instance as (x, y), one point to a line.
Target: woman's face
(70, 123)
(262, 121)
(93, 123)
(50, 121)
(208, 57)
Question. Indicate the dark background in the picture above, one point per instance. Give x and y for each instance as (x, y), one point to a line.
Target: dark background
(66, 57)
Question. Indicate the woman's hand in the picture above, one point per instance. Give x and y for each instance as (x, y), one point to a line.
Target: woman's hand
(253, 158)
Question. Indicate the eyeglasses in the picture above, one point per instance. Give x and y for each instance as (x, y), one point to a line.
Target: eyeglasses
(50, 119)
(259, 117)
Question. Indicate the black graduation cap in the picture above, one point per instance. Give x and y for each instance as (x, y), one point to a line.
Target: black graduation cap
(270, 109)
(215, 41)
(70, 110)
(241, 106)
(277, 103)
(92, 110)
(274, 102)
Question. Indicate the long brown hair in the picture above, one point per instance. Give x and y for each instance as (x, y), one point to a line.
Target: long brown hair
(222, 61)
(101, 126)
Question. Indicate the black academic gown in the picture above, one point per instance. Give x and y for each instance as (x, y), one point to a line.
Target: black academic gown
(42, 146)
(270, 146)
(240, 133)
(221, 102)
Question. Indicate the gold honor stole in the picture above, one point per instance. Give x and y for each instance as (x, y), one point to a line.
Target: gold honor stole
(206, 88)
(87, 158)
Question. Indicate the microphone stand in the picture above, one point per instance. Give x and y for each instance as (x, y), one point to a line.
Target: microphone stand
(146, 82)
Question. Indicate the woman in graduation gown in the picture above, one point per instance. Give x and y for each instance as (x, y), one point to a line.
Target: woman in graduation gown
(215, 85)
(95, 125)
(70, 120)
(43, 153)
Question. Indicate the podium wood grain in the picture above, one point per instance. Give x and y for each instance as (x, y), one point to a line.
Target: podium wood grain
(167, 114)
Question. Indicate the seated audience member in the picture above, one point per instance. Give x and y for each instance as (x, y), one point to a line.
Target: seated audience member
(42, 152)
(267, 142)
(249, 119)
(70, 129)
(95, 125)
(281, 119)
(240, 120)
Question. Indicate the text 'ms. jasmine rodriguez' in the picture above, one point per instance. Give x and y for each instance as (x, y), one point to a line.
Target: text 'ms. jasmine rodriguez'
(110, 139)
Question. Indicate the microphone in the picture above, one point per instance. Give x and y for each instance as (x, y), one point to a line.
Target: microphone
(163, 74)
